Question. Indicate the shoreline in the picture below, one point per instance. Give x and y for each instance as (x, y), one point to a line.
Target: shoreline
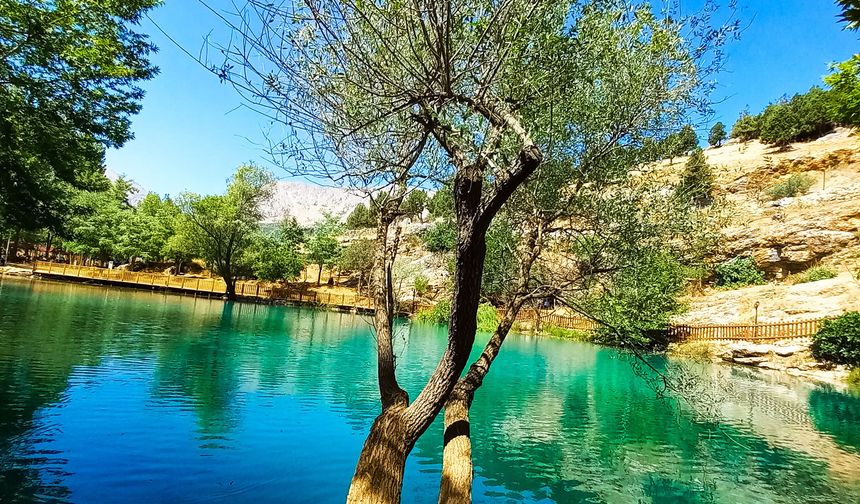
(789, 359)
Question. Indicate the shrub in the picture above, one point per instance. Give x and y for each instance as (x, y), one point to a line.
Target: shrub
(853, 378)
(440, 313)
(747, 127)
(488, 317)
(697, 181)
(361, 218)
(440, 237)
(795, 185)
(421, 284)
(838, 340)
(701, 351)
(815, 274)
(738, 272)
(570, 334)
(804, 117)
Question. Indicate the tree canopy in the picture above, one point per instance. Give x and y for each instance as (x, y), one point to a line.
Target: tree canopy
(69, 74)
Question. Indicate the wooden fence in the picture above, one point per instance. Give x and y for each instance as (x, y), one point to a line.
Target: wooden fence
(771, 331)
(202, 285)
(730, 332)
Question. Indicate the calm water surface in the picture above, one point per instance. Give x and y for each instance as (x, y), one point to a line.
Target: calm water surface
(119, 396)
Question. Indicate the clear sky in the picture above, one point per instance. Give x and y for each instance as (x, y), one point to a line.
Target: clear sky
(191, 135)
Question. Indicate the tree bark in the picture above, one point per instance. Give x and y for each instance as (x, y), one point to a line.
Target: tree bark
(457, 471)
(378, 475)
(231, 288)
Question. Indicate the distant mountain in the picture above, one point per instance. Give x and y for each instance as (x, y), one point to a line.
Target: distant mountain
(139, 192)
(308, 203)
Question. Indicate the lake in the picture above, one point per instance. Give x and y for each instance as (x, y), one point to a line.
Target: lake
(111, 395)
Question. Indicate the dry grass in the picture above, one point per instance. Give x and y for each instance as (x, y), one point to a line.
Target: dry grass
(696, 350)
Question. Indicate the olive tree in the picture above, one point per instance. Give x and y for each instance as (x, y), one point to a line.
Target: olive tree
(404, 94)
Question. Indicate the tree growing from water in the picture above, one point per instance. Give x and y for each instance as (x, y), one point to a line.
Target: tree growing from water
(395, 95)
(224, 226)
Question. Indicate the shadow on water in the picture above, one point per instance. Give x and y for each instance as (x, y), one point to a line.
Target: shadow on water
(203, 400)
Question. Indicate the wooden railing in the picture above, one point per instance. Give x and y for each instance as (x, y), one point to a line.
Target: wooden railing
(747, 332)
(202, 285)
(730, 332)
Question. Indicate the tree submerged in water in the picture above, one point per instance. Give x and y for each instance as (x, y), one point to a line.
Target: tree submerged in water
(477, 96)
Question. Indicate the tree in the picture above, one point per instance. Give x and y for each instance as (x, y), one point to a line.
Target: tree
(441, 91)
(747, 127)
(805, 117)
(272, 258)
(224, 226)
(360, 218)
(323, 247)
(441, 204)
(100, 223)
(845, 91)
(440, 237)
(69, 74)
(697, 181)
(850, 13)
(414, 204)
(680, 143)
(150, 227)
(717, 135)
(357, 258)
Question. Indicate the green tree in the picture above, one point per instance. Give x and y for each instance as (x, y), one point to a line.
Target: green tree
(323, 248)
(69, 74)
(845, 91)
(805, 117)
(747, 127)
(357, 258)
(679, 143)
(717, 135)
(272, 258)
(101, 222)
(224, 227)
(150, 227)
(441, 204)
(360, 218)
(414, 204)
(440, 237)
(697, 181)
(466, 91)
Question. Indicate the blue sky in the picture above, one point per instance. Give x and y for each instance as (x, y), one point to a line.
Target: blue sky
(191, 135)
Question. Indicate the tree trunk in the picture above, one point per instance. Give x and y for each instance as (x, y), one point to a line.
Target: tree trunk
(231, 288)
(378, 475)
(456, 487)
(48, 247)
(319, 275)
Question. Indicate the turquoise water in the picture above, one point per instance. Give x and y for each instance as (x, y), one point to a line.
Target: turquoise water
(123, 396)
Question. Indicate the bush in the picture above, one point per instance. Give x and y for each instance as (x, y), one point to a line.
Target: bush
(701, 351)
(569, 334)
(421, 284)
(440, 237)
(438, 314)
(747, 127)
(488, 317)
(738, 272)
(697, 181)
(853, 378)
(815, 274)
(804, 117)
(838, 340)
(795, 185)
